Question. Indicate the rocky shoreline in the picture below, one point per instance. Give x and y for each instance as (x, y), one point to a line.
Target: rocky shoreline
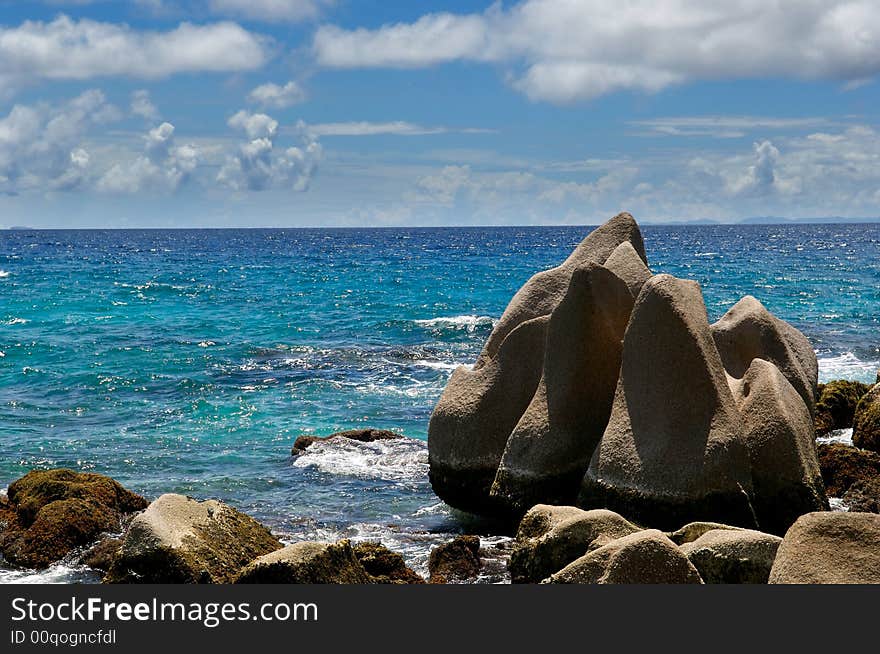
(621, 437)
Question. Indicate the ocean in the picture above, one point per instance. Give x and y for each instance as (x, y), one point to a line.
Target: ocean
(188, 361)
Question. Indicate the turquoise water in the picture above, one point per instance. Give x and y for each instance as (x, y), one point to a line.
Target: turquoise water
(189, 361)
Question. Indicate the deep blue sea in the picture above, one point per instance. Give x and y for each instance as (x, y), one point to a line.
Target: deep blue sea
(189, 361)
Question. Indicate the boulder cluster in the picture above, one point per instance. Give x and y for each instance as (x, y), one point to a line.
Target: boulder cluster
(604, 385)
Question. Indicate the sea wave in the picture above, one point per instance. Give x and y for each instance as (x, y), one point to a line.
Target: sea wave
(837, 436)
(400, 460)
(468, 323)
(847, 366)
(4, 274)
(14, 321)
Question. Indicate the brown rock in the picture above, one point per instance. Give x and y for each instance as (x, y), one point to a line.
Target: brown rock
(455, 561)
(830, 548)
(645, 557)
(307, 563)
(385, 566)
(48, 513)
(843, 465)
(863, 496)
(693, 530)
(550, 447)
(363, 435)
(836, 406)
(551, 537)
(866, 422)
(724, 556)
(673, 450)
(100, 557)
(181, 540)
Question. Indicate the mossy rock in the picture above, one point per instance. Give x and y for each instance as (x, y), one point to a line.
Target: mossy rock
(385, 566)
(307, 563)
(844, 465)
(455, 561)
(864, 496)
(49, 513)
(837, 403)
(866, 424)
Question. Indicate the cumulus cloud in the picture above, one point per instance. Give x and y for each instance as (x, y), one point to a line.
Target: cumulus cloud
(67, 49)
(41, 146)
(142, 105)
(270, 10)
(163, 165)
(274, 96)
(258, 165)
(563, 51)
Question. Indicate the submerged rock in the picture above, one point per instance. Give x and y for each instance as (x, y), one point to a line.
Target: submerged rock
(385, 566)
(455, 561)
(778, 432)
(307, 563)
(844, 465)
(551, 537)
(830, 548)
(836, 406)
(866, 422)
(673, 450)
(725, 556)
(363, 435)
(49, 513)
(645, 557)
(550, 447)
(181, 540)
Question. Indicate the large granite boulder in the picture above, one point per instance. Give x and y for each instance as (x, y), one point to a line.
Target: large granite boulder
(551, 537)
(48, 513)
(307, 563)
(180, 540)
(778, 431)
(866, 421)
(550, 447)
(837, 403)
(475, 415)
(630, 266)
(748, 331)
(540, 295)
(727, 556)
(830, 548)
(645, 557)
(673, 450)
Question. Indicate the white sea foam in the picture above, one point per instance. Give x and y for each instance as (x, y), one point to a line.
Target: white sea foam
(4, 274)
(847, 366)
(439, 365)
(837, 436)
(837, 504)
(404, 459)
(468, 323)
(15, 321)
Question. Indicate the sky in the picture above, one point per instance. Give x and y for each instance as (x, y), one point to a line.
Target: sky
(275, 113)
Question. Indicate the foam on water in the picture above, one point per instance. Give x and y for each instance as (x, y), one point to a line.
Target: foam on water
(400, 460)
(4, 274)
(847, 366)
(468, 323)
(837, 436)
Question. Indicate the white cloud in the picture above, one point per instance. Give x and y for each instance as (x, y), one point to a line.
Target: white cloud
(258, 164)
(396, 128)
(163, 166)
(41, 146)
(142, 105)
(270, 10)
(83, 49)
(723, 126)
(567, 50)
(275, 96)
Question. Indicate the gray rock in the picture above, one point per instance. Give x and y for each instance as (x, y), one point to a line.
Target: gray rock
(673, 450)
(645, 557)
(180, 540)
(779, 434)
(540, 295)
(724, 556)
(475, 415)
(748, 331)
(630, 266)
(307, 563)
(550, 447)
(551, 537)
(830, 548)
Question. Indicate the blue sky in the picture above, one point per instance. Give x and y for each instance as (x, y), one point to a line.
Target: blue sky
(176, 113)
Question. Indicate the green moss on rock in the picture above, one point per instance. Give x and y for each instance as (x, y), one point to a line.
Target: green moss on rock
(385, 566)
(866, 424)
(837, 403)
